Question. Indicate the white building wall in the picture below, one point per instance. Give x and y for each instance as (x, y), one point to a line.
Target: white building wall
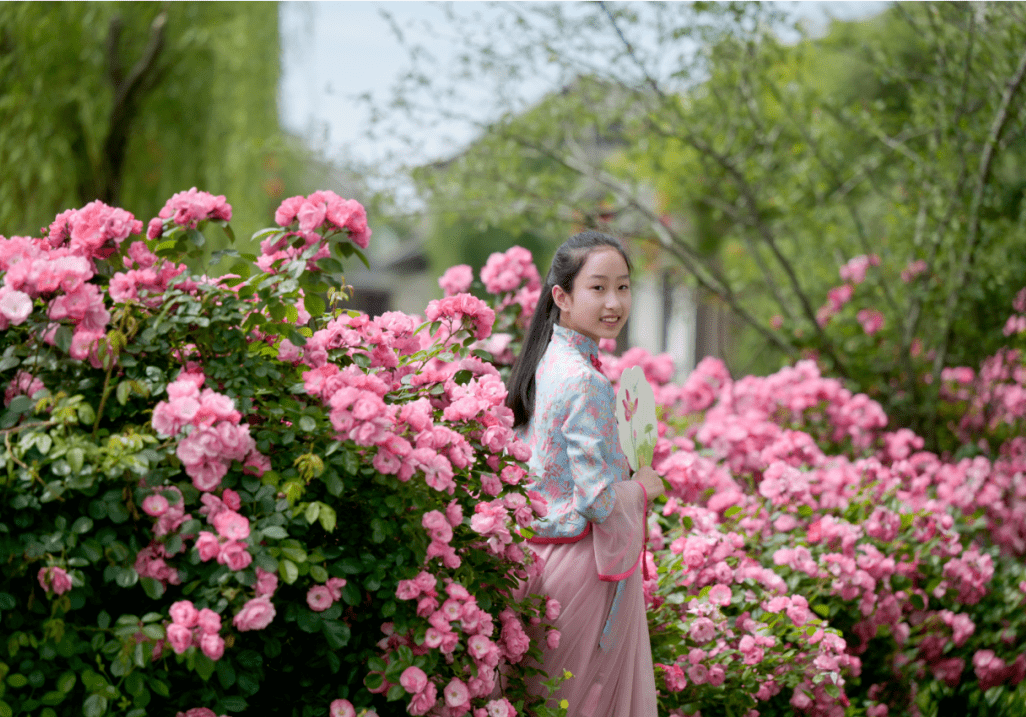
(646, 325)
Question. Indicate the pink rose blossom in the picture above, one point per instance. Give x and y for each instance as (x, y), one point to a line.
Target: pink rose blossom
(15, 306)
(255, 614)
(500, 708)
(424, 700)
(505, 272)
(184, 613)
(207, 545)
(55, 579)
(341, 708)
(234, 555)
(456, 279)
(212, 645)
(871, 320)
(208, 622)
(231, 499)
(456, 693)
(437, 526)
(155, 505)
(179, 636)
(720, 594)
(698, 674)
(231, 525)
(335, 586)
(702, 630)
(413, 679)
(23, 384)
(266, 582)
(319, 598)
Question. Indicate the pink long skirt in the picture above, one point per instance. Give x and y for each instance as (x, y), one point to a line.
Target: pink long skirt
(604, 639)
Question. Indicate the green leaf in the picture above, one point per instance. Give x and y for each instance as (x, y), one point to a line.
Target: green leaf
(275, 531)
(20, 404)
(75, 457)
(43, 443)
(53, 697)
(296, 554)
(62, 338)
(314, 303)
(337, 633)
(7, 601)
(66, 682)
(334, 485)
(351, 594)
(234, 704)
(289, 571)
(153, 588)
(350, 462)
(94, 706)
(318, 573)
(225, 672)
(196, 237)
(82, 525)
(308, 621)
(204, 666)
(312, 511)
(134, 683)
(159, 687)
(328, 517)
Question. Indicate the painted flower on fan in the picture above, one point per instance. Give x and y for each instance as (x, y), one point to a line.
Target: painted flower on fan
(629, 407)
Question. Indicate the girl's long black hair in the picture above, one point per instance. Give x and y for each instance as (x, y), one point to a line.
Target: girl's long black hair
(566, 264)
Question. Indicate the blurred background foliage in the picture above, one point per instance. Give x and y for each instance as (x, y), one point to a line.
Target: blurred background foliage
(132, 102)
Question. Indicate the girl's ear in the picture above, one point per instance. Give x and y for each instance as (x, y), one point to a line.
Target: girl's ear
(561, 298)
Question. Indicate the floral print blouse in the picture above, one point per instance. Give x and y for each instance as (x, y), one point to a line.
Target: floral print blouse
(575, 447)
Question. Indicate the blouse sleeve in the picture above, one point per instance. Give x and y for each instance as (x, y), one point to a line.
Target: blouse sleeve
(590, 433)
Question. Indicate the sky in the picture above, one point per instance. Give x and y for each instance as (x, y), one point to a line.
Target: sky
(334, 52)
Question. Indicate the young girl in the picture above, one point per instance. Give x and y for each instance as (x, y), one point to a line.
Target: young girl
(593, 536)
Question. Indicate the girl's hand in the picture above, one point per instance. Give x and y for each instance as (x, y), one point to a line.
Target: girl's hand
(651, 481)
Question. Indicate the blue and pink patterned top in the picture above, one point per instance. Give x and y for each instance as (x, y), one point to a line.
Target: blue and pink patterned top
(574, 440)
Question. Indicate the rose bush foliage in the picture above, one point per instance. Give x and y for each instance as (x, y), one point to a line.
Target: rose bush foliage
(216, 493)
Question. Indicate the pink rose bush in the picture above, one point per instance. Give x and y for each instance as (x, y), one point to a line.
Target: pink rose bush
(325, 508)
(217, 475)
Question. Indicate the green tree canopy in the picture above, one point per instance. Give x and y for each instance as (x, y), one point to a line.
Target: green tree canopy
(762, 166)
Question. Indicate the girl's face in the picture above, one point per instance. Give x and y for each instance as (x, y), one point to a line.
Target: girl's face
(600, 301)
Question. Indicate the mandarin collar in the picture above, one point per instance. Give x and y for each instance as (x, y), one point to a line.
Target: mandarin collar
(587, 347)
